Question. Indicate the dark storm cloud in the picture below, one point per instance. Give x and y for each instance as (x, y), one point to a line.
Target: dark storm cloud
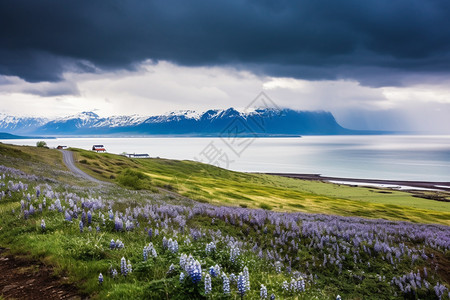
(376, 42)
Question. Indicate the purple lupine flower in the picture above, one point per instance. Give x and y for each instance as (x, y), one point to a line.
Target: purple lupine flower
(81, 226)
(171, 269)
(43, 224)
(241, 284)
(213, 271)
(210, 248)
(118, 224)
(112, 244)
(67, 216)
(89, 217)
(129, 267)
(439, 289)
(272, 297)
(208, 287)
(145, 253)
(226, 284)
(247, 278)
(234, 253)
(100, 278)
(123, 267)
(263, 292)
(195, 271)
(172, 246)
(31, 210)
(182, 275)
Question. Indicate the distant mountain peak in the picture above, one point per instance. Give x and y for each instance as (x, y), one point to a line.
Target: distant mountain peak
(257, 121)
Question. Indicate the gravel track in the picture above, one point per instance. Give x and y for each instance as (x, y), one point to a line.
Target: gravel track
(70, 163)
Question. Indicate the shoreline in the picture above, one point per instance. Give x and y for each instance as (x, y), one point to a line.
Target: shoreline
(392, 184)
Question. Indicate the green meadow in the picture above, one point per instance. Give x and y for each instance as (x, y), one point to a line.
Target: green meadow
(150, 201)
(214, 185)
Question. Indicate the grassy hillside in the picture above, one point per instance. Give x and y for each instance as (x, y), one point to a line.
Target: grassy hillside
(158, 245)
(214, 185)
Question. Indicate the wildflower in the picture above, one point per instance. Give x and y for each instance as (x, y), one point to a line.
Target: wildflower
(226, 284)
(171, 269)
(100, 278)
(182, 275)
(119, 244)
(195, 271)
(338, 297)
(247, 278)
(129, 225)
(208, 284)
(234, 253)
(285, 286)
(272, 297)
(89, 217)
(172, 246)
(149, 250)
(81, 226)
(278, 265)
(114, 273)
(210, 248)
(118, 224)
(263, 292)
(241, 284)
(439, 289)
(112, 244)
(145, 253)
(31, 210)
(43, 224)
(123, 267)
(129, 268)
(213, 271)
(67, 216)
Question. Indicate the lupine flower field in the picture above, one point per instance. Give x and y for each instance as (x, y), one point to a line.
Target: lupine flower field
(117, 246)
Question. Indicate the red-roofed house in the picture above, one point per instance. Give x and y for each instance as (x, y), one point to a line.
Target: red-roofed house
(98, 148)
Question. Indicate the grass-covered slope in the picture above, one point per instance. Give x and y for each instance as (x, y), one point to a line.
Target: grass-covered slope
(163, 246)
(214, 185)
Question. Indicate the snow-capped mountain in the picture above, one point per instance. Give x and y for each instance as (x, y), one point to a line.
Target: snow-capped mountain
(20, 124)
(260, 122)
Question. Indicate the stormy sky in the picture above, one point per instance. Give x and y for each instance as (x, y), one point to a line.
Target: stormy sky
(374, 64)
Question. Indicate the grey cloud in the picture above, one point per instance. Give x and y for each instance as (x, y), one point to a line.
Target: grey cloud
(375, 42)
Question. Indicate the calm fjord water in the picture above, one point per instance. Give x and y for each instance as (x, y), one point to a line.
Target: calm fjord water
(394, 157)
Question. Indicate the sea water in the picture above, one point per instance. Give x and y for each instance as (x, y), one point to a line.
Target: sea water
(408, 157)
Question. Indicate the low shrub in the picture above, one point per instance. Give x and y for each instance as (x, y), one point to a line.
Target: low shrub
(133, 179)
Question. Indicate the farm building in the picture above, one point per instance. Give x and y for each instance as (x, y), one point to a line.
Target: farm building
(98, 148)
(134, 155)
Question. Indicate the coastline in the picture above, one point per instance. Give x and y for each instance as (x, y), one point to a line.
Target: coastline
(383, 183)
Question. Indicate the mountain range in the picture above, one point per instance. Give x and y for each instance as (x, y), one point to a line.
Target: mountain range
(260, 122)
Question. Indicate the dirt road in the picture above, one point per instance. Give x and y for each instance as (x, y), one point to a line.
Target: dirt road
(70, 163)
